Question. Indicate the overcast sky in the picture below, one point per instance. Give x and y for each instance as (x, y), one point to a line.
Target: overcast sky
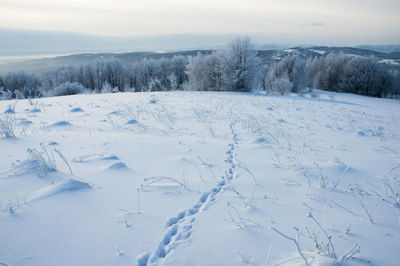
(334, 22)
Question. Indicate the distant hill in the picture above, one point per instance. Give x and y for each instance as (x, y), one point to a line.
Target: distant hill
(41, 65)
(389, 48)
(44, 64)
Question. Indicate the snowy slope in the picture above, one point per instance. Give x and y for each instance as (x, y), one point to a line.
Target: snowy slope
(191, 178)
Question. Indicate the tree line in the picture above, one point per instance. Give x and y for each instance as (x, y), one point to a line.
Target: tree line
(235, 68)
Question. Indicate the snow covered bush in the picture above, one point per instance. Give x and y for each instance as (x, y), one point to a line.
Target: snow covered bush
(7, 125)
(277, 85)
(32, 92)
(67, 88)
(41, 161)
(4, 94)
(106, 88)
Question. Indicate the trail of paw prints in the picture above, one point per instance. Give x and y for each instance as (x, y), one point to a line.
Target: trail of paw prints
(179, 228)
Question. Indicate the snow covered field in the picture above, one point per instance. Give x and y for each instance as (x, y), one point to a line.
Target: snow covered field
(191, 178)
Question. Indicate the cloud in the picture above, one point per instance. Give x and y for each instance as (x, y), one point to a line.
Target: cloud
(316, 24)
(313, 24)
(311, 20)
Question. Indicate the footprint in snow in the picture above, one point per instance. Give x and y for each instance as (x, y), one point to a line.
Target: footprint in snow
(76, 110)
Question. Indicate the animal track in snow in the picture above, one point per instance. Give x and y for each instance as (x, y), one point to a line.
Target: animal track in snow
(179, 228)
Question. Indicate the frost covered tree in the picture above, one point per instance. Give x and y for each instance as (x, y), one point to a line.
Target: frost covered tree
(197, 72)
(144, 74)
(289, 72)
(51, 79)
(395, 91)
(365, 76)
(131, 79)
(178, 68)
(87, 76)
(112, 72)
(22, 85)
(277, 84)
(346, 73)
(236, 68)
(205, 71)
(173, 83)
(332, 73)
(314, 66)
(241, 67)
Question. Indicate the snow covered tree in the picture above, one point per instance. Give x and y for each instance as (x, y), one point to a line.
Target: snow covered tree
(365, 76)
(241, 67)
(173, 81)
(86, 75)
(289, 72)
(345, 73)
(277, 84)
(178, 67)
(314, 68)
(236, 68)
(197, 73)
(205, 71)
(22, 85)
(332, 73)
(395, 91)
(131, 79)
(113, 73)
(294, 67)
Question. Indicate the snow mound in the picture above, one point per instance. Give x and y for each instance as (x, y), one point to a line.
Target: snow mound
(35, 110)
(119, 166)
(262, 140)
(69, 185)
(335, 169)
(114, 113)
(95, 157)
(334, 166)
(132, 122)
(110, 158)
(361, 134)
(161, 183)
(61, 124)
(76, 110)
(9, 111)
(36, 164)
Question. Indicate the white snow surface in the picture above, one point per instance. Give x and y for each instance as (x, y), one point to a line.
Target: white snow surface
(201, 178)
